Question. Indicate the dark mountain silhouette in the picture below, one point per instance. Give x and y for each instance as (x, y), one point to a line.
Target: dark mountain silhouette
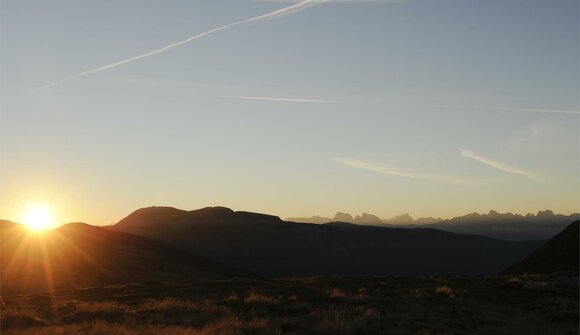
(427, 220)
(268, 246)
(406, 219)
(341, 217)
(366, 219)
(559, 254)
(80, 255)
(401, 219)
(508, 226)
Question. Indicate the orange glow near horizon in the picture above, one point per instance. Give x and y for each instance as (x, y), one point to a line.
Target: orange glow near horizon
(39, 217)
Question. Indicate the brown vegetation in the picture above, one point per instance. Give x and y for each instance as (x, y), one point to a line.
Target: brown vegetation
(502, 305)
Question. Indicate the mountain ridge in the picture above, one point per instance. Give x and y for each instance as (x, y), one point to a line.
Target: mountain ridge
(266, 245)
(81, 255)
(540, 226)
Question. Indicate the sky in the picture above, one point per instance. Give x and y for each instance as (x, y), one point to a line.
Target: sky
(433, 108)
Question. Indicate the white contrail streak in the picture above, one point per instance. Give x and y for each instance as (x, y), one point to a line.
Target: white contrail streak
(393, 171)
(279, 12)
(275, 99)
(535, 110)
(501, 165)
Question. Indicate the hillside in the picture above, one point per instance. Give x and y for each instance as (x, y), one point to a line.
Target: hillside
(559, 254)
(268, 246)
(80, 255)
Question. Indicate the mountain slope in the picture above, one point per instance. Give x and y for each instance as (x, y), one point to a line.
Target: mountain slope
(504, 226)
(80, 255)
(267, 245)
(559, 254)
(507, 226)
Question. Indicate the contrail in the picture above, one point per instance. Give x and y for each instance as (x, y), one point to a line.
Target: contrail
(393, 171)
(279, 12)
(501, 165)
(534, 110)
(275, 99)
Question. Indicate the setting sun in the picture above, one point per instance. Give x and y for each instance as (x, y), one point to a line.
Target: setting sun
(38, 218)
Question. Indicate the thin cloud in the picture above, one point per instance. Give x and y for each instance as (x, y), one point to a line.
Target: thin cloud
(275, 99)
(393, 171)
(343, 1)
(534, 110)
(300, 6)
(501, 165)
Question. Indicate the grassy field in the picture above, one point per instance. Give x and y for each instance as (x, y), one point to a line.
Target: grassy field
(391, 305)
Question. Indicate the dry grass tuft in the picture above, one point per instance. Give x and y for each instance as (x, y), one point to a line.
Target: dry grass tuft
(445, 290)
(231, 298)
(20, 318)
(235, 326)
(339, 321)
(90, 312)
(256, 298)
(167, 305)
(304, 306)
(337, 293)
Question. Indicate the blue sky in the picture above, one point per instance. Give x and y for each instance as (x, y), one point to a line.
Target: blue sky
(428, 107)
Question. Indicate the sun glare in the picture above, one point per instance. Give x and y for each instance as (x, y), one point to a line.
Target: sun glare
(38, 218)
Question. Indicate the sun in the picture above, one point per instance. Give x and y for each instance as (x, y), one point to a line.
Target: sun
(38, 218)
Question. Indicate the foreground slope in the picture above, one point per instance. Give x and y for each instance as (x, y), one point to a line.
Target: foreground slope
(80, 255)
(560, 254)
(268, 246)
(309, 306)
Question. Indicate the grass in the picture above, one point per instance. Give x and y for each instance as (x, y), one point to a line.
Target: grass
(446, 291)
(318, 306)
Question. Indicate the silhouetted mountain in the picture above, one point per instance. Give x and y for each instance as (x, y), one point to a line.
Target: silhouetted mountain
(559, 254)
(314, 219)
(508, 226)
(366, 219)
(427, 220)
(80, 255)
(267, 245)
(401, 219)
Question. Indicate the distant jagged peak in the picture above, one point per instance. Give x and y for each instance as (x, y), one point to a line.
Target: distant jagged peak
(403, 218)
(546, 213)
(343, 217)
(428, 220)
(367, 218)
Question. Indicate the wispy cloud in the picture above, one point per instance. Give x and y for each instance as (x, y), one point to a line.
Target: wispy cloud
(343, 1)
(500, 165)
(275, 99)
(393, 171)
(299, 6)
(535, 110)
